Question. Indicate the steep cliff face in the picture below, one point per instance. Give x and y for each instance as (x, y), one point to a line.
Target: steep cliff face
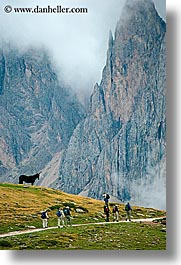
(120, 146)
(38, 115)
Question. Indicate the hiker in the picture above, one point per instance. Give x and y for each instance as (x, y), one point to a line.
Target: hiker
(128, 210)
(106, 198)
(106, 211)
(115, 213)
(61, 217)
(67, 214)
(44, 217)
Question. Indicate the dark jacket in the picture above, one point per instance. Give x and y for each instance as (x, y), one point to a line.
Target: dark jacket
(128, 207)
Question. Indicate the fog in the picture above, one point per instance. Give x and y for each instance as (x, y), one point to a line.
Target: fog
(148, 191)
(77, 42)
(151, 190)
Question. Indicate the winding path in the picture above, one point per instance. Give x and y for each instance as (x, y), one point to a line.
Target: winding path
(29, 231)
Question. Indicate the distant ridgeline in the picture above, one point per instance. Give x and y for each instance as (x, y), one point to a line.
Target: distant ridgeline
(119, 145)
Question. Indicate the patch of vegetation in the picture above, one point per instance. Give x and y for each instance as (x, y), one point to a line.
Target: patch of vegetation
(72, 205)
(5, 244)
(55, 207)
(119, 236)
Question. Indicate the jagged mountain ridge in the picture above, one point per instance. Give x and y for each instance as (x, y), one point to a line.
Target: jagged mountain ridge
(120, 146)
(38, 114)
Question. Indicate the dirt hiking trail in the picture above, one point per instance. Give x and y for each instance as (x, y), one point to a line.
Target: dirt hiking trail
(33, 230)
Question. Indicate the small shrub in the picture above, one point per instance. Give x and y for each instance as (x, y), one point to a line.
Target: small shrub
(5, 244)
(54, 207)
(72, 205)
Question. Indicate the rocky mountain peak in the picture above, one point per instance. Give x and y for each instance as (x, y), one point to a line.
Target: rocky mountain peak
(120, 147)
(135, 9)
(138, 19)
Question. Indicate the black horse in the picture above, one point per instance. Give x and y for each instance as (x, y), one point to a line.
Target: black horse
(29, 179)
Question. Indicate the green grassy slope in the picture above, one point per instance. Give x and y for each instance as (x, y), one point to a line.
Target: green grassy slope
(21, 206)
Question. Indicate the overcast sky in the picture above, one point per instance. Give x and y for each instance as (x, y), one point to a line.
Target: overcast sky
(78, 42)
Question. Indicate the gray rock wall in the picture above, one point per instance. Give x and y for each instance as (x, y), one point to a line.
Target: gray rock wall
(120, 147)
(38, 114)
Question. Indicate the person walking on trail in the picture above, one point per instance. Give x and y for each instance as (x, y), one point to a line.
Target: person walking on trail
(61, 217)
(44, 217)
(107, 212)
(128, 210)
(115, 213)
(67, 214)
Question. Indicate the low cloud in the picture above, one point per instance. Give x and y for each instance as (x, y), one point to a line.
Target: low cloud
(77, 42)
(150, 191)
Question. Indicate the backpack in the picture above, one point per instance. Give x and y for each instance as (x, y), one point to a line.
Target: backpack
(127, 207)
(43, 215)
(59, 213)
(107, 196)
(66, 211)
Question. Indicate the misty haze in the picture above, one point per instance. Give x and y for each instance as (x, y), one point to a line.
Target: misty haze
(77, 42)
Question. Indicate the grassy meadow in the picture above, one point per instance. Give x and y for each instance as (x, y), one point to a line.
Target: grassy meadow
(21, 207)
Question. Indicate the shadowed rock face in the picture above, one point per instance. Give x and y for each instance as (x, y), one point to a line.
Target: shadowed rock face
(38, 115)
(120, 146)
